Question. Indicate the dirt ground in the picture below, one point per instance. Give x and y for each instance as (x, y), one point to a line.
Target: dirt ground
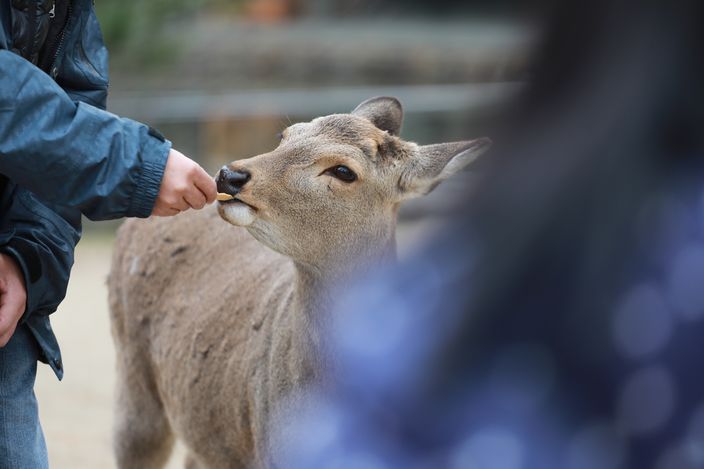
(76, 413)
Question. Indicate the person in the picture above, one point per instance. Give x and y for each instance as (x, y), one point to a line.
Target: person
(557, 321)
(63, 155)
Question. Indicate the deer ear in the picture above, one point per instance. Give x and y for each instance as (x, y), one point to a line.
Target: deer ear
(435, 163)
(384, 112)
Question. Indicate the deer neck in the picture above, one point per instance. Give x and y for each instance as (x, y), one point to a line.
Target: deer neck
(316, 285)
(315, 290)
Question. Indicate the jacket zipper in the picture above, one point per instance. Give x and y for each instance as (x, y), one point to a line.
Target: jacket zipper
(53, 71)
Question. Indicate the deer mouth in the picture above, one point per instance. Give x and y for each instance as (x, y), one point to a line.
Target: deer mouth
(236, 200)
(237, 212)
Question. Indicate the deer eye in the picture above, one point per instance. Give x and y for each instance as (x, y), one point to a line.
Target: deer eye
(343, 173)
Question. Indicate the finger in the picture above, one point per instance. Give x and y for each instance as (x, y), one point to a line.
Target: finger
(195, 199)
(206, 185)
(165, 212)
(170, 211)
(5, 338)
(5, 327)
(180, 205)
(11, 311)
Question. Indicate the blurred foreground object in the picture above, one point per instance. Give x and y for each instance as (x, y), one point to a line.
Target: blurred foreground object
(560, 321)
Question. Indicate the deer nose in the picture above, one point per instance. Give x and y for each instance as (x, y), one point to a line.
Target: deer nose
(230, 181)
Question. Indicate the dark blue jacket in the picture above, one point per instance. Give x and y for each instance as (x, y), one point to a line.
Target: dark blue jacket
(62, 154)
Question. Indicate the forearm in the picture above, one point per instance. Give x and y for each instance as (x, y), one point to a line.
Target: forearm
(73, 153)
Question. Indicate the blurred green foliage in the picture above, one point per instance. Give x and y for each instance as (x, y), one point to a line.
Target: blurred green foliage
(135, 27)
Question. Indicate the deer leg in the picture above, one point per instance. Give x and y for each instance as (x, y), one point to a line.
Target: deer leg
(142, 435)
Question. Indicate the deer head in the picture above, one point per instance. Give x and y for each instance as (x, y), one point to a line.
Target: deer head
(328, 194)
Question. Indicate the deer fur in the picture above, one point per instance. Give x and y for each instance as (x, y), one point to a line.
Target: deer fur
(215, 325)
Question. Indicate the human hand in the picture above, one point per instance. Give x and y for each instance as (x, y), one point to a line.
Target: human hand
(184, 185)
(13, 297)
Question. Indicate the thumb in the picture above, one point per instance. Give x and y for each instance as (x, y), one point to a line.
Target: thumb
(206, 185)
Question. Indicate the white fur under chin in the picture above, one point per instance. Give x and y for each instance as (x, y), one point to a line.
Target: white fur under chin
(237, 214)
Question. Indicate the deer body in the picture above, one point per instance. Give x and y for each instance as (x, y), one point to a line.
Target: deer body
(208, 370)
(216, 325)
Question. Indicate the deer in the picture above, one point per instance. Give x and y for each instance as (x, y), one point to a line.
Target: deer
(218, 315)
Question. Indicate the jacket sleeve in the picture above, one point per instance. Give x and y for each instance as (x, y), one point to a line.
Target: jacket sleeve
(41, 240)
(72, 153)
